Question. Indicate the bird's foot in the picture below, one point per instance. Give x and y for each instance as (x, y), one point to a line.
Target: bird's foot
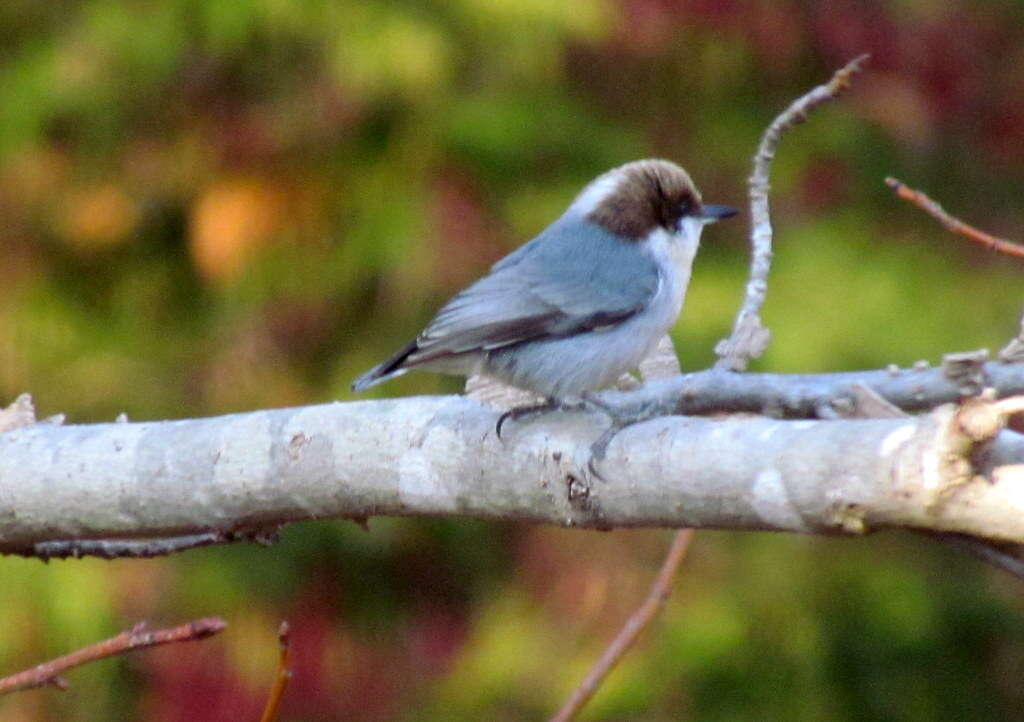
(619, 421)
(549, 405)
(600, 447)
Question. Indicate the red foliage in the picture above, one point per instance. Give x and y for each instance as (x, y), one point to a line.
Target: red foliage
(465, 238)
(196, 683)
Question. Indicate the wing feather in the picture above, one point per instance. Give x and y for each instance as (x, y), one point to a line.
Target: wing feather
(558, 284)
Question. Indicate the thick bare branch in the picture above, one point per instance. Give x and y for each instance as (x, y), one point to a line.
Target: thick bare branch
(438, 456)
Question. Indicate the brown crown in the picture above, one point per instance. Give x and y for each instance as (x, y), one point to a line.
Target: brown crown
(648, 195)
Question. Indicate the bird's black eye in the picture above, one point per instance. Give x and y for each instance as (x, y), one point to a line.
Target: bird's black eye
(674, 210)
(683, 210)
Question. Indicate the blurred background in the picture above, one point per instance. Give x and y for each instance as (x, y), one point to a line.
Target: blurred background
(216, 206)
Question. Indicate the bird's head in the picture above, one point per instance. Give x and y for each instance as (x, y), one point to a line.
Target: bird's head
(644, 196)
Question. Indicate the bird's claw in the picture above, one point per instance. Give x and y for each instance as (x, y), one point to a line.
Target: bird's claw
(599, 449)
(521, 411)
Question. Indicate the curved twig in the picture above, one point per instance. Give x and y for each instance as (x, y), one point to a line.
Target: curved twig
(749, 337)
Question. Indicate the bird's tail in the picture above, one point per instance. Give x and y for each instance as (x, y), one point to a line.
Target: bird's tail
(385, 370)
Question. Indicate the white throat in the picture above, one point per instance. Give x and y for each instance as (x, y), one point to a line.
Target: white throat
(689, 234)
(682, 245)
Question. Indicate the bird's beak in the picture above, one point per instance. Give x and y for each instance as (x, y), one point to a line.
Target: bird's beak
(710, 214)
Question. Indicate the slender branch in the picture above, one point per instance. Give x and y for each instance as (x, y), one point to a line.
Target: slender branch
(805, 395)
(284, 675)
(952, 223)
(124, 548)
(627, 636)
(146, 548)
(1008, 557)
(749, 337)
(137, 637)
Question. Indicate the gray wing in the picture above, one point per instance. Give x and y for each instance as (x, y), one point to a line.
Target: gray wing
(558, 284)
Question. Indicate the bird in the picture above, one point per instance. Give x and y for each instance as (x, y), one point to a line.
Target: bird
(583, 302)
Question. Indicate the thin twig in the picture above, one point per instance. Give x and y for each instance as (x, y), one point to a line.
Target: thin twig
(135, 638)
(749, 336)
(145, 548)
(953, 224)
(627, 636)
(123, 548)
(284, 674)
(1008, 557)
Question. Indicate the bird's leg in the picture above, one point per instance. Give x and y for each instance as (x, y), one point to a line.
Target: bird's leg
(550, 404)
(600, 447)
(619, 421)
